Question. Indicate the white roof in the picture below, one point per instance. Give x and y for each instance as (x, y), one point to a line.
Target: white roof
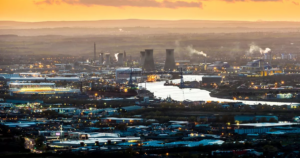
(45, 84)
(267, 124)
(128, 69)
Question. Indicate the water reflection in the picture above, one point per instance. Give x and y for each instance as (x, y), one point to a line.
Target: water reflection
(192, 94)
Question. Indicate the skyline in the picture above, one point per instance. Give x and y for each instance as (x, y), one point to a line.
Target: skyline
(90, 10)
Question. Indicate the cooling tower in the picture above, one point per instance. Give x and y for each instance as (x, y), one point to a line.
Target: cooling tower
(124, 56)
(101, 58)
(120, 59)
(149, 60)
(170, 60)
(142, 57)
(107, 59)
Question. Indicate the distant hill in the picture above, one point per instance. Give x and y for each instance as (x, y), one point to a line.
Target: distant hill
(148, 23)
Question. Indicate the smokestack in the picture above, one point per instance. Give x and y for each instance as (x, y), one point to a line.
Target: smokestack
(94, 52)
(101, 58)
(149, 60)
(270, 52)
(142, 57)
(170, 60)
(107, 59)
(120, 59)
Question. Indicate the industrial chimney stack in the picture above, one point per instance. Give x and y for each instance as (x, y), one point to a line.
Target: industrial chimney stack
(170, 60)
(94, 52)
(149, 60)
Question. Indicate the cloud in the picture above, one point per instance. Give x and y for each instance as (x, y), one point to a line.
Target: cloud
(296, 3)
(132, 3)
(253, 0)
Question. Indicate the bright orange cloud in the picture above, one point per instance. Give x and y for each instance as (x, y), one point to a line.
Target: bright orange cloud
(127, 3)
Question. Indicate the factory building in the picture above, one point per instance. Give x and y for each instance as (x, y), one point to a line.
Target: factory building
(51, 79)
(288, 56)
(207, 80)
(40, 88)
(124, 73)
(254, 66)
(218, 65)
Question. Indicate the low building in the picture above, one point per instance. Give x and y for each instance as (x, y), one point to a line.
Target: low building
(255, 118)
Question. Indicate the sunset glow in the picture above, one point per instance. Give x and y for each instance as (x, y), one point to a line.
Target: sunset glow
(74, 10)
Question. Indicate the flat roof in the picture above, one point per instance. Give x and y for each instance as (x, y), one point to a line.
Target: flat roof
(268, 124)
(17, 83)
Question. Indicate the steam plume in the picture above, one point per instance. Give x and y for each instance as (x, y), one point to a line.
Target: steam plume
(116, 55)
(267, 50)
(194, 51)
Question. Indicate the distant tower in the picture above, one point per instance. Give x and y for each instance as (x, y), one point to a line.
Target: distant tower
(149, 60)
(142, 57)
(94, 52)
(170, 60)
(120, 59)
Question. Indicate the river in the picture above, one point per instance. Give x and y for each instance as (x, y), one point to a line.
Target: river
(193, 94)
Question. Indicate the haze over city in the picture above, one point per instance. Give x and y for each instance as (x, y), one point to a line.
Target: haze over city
(150, 78)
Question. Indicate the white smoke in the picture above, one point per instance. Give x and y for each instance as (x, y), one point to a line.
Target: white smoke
(255, 48)
(116, 55)
(194, 51)
(267, 50)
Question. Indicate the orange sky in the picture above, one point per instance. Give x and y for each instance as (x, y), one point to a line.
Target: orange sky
(73, 10)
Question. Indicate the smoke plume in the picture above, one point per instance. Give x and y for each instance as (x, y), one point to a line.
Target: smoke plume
(116, 55)
(267, 50)
(253, 48)
(194, 51)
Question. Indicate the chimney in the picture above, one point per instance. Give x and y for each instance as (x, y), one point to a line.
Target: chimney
(94, 52)
(149, 60)
(170, 60)
(120, 59)
(270, 59)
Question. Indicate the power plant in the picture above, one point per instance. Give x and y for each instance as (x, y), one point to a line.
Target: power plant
(170, 60)
(149, 60)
